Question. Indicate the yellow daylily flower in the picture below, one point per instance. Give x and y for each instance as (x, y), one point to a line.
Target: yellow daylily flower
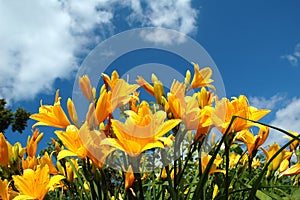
(205, 98)
(215, 191)
(158, 87)
(294, 144)
(234, 160)
(187, 108)
(29, 163)
(51, 115)
(103, 107)
(71, 139)
(3, 151)
(255, 163)
(204, 162)
(86, 88)
(282, 159)
(133, 101)
(202, 78)
(121, 93)
(35, 184)
(111, 82)
(141, 131)
(129, 178)
(269, 154)
(225, 110)
(204, 123)
(253, 142)
(164, 174)
(32, 143)
(157, 90)
(144, 84)
(293, 170)
(4, 195)
(72, 111)
(71, 175)
(187, 78)
(92, 140)
(47, 160)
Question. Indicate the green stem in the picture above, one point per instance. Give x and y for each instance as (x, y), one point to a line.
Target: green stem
(199, 189)
(137, 175)
(227, 182)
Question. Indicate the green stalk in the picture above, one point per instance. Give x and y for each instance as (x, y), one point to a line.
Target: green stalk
(137, 175)
(170, 185)
(79, 178)
(199, 189)
(227, 182)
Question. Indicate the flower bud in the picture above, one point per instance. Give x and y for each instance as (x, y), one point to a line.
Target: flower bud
(3, 151)
(86, 88)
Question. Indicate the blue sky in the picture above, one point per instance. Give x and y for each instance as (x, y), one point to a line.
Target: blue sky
(255, 45)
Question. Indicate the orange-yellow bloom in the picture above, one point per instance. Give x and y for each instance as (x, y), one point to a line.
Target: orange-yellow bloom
(103, 107)
(47, 160)
(294, 144)
(187, 108)
(204, 162)
(72, 112)
(144, 84)
(71, 175)
(202, 78)
(92, 140)
(121, 93)
(281, 161)
(111, 82)
(129, 178)
(215, 191)
(35, 184)
(32, 143)
(29, 163)
(86, 88)
(205, 98)
(164, 174)
(294, 170)
(225, 110)
(253, 142)
(4, 195)
(3, 151)
(71, 139)
(141, 131)
(51, 115)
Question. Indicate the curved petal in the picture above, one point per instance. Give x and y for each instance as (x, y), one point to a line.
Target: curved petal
(167, 126)
(65, 153)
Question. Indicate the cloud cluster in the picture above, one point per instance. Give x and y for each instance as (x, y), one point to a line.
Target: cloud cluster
(287, 115)
(293, 58)
(287, 118)
(43, 41)
(265, 103)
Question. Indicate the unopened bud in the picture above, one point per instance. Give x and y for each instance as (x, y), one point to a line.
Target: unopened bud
(85, 86)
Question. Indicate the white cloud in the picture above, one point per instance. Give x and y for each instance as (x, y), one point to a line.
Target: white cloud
(287, 118)
(264, 103)
(41, 41)
(293, 58)
(174, 14)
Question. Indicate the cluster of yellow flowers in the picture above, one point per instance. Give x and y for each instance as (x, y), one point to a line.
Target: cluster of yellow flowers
(146, 127)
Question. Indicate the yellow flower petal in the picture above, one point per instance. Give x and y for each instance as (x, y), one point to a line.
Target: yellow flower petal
(65, 153)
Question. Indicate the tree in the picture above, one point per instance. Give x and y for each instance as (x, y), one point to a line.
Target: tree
(17, 119)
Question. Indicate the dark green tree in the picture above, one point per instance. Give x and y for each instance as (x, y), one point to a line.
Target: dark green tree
(17, 120)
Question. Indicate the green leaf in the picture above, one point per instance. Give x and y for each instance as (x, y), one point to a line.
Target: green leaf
(296, 193)
(262, 196)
